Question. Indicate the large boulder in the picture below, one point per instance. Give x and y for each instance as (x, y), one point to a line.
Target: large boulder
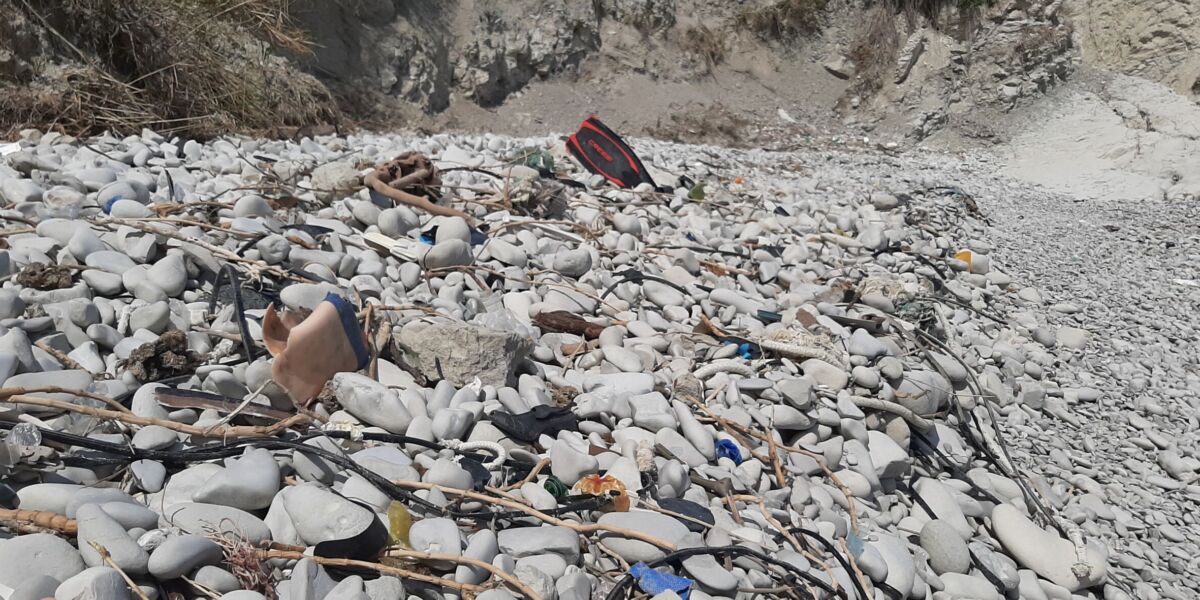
(460, 352)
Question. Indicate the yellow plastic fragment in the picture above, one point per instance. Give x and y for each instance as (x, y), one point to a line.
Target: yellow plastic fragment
(399, 522)
(966, 257)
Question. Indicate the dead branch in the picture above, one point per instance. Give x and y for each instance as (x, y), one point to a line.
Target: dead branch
(576, 527)
(463, 560)
(117, 406)
(130, 419)
(264, 554)
(107, 558)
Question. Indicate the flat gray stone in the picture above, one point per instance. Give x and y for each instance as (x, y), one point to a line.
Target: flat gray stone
(93, 584)
(49, 497)
(651, 523)
(437, 535)
(711, 576)
(947, 551)
(519, 542)
(249, 482)
(96, 526)
(181, 555)
(154, 437)
(319, 515)
(35, 588)
(33, 555)
(201, 519)
(371, 402)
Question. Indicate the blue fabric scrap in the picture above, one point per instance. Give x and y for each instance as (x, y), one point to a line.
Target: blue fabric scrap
(655, 582)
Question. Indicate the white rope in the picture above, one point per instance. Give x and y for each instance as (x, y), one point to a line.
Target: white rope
(726, 365)
(1082, 568)
(492, 447)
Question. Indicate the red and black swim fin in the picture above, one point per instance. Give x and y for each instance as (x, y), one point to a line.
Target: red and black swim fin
(603, 152)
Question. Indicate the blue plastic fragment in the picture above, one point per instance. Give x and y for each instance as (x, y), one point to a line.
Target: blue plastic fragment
(728, 449)
(655, 582)
(745, 350)
(855, 543)
(111, 201)
(427, 239)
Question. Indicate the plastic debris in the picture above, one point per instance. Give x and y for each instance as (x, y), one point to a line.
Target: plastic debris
(556, 488)
(606, 485)
(308, 353)
(399, 523)
(655, 582)
(727, 449)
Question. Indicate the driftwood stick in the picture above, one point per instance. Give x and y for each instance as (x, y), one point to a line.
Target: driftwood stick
(400, 183)
(129, 419)
(533, 512)
(107, 558)
(21, 391)
(45, 520)
(59, 355)
(273, 553)
(917, 421)
(561, 321)
(463, 560)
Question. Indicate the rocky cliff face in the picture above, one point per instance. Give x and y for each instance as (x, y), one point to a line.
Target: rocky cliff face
(421, 53)
(891, 67)
(1153, 39)
(384, 55)
(995, 58)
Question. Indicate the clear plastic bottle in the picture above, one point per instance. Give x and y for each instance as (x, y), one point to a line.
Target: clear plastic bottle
(20, 438)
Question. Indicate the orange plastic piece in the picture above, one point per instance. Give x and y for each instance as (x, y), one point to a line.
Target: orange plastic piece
(596, 485)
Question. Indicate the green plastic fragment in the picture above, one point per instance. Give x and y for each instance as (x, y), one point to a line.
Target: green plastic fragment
(556, 488)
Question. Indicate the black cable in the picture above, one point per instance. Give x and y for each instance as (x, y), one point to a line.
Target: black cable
(698, 249)
(219, 450)
(836, 555)
(231, 278)
(633, 275)
(911, 489)
(618, 591)
(977, 389)
(955, 469)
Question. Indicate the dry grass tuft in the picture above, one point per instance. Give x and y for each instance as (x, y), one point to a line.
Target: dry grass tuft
(783, 19)
(713, 123)
(709, 45)
(874, 52)
(77, 100)
(201, 67)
